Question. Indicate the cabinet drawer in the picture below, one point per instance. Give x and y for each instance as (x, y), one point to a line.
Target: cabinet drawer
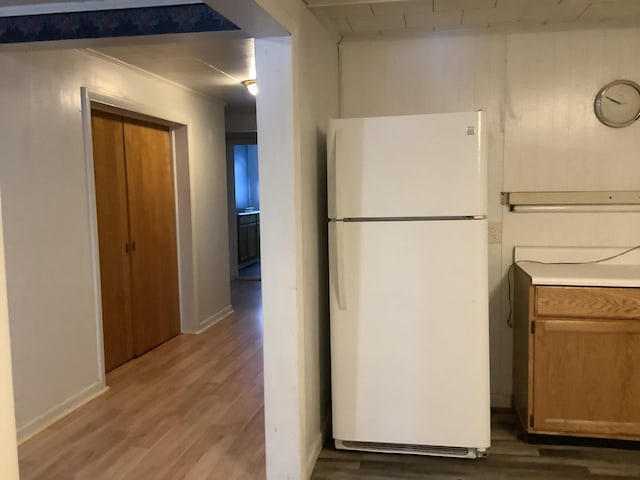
(247, 219)
(587, 302)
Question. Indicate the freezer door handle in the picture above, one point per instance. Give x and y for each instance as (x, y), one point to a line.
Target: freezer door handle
(338, 265)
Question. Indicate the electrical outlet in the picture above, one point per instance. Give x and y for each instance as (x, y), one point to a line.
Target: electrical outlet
(495, 232)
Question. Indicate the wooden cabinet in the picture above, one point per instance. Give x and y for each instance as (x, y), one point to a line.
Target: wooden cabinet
(577, 359)
(136, 235)
(248, 237)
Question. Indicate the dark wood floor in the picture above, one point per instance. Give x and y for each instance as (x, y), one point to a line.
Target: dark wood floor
(509, 458)
(250, 272)
(190, 409)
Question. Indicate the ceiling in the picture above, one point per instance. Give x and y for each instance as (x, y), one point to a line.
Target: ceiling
(215, 63)
(212, 63)
(366, 17)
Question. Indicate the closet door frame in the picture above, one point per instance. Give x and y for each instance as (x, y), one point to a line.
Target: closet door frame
(178, 129)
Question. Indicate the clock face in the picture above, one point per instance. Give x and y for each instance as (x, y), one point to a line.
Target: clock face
(618, 103)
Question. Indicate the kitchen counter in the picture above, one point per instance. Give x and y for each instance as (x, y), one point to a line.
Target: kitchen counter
(583, 275)
(250, 212)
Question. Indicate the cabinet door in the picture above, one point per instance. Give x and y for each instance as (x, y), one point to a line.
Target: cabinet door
(153, 234)
(254, 241)
(243, 243)
(113, 235)
(587, 377)
(248, 237)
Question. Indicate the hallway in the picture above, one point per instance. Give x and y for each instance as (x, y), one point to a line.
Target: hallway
(192, 408)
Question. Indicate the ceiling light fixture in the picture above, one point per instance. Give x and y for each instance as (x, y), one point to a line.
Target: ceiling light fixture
(252, 86)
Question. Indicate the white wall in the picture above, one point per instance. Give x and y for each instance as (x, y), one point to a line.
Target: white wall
(292, 120)
(240, 122)
(298, 78)
(553, 140)
(317, 96)
(281, 254)
(8, 447)
(47, 224)
(538, 92)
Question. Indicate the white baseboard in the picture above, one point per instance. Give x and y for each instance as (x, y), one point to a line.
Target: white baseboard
(213, 319)
(316, 446)
(54, 414)
(500, 401)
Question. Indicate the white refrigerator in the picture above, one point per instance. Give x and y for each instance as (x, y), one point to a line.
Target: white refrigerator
(409, 284)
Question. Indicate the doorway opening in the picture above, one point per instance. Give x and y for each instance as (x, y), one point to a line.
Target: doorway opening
(247, 186)
(244, 205)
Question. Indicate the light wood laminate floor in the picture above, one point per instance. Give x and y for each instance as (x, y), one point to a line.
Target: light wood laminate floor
(193, 409)
(190, 409)
(510, 458)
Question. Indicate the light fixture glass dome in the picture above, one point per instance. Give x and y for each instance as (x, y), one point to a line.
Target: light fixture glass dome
(252, 86)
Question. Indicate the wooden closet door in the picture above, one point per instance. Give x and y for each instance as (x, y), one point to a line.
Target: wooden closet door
(113, 235)
(154, 264)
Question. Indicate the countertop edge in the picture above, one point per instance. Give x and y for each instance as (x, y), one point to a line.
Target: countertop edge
(584, 276)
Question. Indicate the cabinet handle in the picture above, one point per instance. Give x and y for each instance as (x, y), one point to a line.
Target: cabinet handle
(126, 248)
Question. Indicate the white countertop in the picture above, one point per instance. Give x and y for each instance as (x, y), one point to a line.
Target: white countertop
(249, 212)
(584, 275)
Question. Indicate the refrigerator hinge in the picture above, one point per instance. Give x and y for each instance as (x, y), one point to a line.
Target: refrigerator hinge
(533, 326)
(504, 198)
(531, 420)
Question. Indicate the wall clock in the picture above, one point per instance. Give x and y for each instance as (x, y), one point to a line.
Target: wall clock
(617, 104)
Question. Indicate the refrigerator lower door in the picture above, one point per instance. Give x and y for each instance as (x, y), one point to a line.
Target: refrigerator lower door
(410, 335)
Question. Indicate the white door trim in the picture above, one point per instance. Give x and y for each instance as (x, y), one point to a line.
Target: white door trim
(179, 127)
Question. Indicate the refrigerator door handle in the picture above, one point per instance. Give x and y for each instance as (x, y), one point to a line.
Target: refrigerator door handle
(337, 145)
(338, 259)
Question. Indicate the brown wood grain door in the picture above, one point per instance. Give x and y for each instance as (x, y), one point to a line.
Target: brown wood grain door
(152, 221)
(113, 237)
(587, 377)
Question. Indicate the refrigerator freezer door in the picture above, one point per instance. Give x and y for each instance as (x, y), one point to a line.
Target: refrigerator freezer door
(410, 337)
(407, 166)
